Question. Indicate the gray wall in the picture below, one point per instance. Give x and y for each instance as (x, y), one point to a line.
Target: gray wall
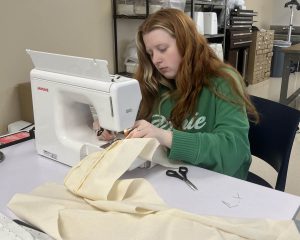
(263, 8)
(73, 27)
(281, 15)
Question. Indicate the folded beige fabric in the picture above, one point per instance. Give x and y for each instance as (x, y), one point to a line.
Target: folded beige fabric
(64, 216)
(94, 177)
(100, 205)
(42, 206)
(169, 225)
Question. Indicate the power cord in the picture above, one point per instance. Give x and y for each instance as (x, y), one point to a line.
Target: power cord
(2, 157)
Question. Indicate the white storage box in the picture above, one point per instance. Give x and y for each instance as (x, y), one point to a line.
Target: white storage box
(141, 9)
(131, 66)
(218, 49)
(154, 8)
(125, 9)
(199, 20)
(210, 23)
(18, 126)
(178, 4)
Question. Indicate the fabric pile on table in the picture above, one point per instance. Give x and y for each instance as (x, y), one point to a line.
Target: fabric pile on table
(95, 203)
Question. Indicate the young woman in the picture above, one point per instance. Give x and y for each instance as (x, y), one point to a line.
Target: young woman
(193, 103)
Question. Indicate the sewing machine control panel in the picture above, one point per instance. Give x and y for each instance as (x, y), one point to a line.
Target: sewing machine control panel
(118, 78)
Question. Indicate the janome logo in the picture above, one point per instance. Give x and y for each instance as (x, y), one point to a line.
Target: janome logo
(43, 89)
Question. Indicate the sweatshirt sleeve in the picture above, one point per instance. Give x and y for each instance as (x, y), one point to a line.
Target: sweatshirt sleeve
(225, 149)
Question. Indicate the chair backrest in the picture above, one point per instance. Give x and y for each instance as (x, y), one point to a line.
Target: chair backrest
(272, 138)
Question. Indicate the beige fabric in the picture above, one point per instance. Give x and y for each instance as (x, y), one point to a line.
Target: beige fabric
(169, 225)
(42, 206)
(104, 207)
(94, 177)
(65, 216)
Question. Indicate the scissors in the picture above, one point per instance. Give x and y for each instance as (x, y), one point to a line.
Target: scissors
(181, 174)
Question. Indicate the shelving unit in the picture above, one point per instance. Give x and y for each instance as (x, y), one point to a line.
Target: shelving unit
(218, 6)
(239, 39)
(115, 23)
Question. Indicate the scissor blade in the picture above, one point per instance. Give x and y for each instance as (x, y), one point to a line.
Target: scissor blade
(190, 184)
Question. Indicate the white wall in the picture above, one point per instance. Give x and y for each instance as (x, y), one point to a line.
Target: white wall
(281, 15)
(263, 8)
(74, 27)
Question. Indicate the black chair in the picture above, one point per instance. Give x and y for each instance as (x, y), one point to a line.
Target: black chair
(272, 138)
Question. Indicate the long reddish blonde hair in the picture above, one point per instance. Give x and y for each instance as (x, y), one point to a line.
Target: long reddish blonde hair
(198, 67)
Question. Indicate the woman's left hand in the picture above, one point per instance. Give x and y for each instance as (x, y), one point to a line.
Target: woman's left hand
(144, 129)
(103, 134)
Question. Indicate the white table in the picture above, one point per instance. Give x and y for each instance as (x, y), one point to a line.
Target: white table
(220, 195)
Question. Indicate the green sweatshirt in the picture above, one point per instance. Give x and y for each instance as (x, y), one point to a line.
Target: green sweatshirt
(216, 138)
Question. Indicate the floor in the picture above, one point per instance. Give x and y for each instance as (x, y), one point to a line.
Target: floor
(270, 89)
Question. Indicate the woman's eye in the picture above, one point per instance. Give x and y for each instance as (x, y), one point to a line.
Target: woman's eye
(162, 49)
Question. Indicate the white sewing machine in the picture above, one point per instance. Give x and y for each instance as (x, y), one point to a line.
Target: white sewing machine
(64, 89)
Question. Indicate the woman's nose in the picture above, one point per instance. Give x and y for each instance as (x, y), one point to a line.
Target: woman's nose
(156, 58)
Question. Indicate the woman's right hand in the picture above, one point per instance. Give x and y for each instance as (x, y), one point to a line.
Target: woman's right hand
(144, 129)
